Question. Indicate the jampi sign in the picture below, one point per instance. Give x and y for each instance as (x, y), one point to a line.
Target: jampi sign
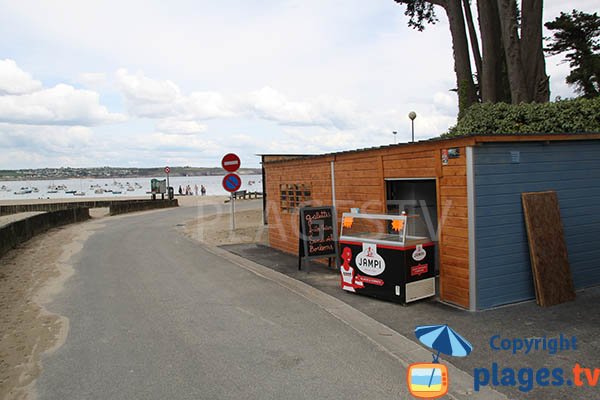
(369, 262)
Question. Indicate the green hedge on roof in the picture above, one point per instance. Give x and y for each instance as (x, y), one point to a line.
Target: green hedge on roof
(563, 116)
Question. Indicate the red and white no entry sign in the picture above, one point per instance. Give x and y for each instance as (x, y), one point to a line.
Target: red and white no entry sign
(167, 170)
(231, 162)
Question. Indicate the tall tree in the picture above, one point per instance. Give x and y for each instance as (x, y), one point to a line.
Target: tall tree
(421, 12)
(577, 34)
(512, 49)
(511, 67)
(532, 53)
(493, 82)
(473, 38)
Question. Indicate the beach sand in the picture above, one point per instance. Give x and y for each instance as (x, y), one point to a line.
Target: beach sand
(34, 272)
(215, 229)
(29, 277)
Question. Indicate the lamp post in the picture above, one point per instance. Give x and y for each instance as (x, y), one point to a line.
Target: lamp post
(412, 115)
(395, 133)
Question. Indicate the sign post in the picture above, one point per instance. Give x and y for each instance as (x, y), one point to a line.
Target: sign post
(168, 171)
(232, 181)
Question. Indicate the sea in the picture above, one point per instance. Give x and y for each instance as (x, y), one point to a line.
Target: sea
(108, 187)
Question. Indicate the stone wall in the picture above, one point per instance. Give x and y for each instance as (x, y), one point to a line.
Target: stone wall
(15, 233)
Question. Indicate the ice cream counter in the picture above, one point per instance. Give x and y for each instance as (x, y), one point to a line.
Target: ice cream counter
(387, 256)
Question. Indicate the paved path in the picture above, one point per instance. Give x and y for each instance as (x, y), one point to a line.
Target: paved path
(153, 315)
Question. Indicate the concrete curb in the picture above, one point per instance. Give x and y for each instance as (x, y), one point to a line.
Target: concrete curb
(388, 340)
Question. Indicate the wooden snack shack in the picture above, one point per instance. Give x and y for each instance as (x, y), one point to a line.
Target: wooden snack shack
(468, 190)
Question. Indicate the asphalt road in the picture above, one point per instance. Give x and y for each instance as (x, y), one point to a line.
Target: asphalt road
(154, 315)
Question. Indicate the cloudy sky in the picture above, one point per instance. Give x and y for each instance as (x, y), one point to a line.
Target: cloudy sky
(152, 83)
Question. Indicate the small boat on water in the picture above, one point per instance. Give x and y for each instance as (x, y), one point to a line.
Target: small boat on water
(116, 192)
(70, 191)
(79, 194)
(52, 191)
(24, 190)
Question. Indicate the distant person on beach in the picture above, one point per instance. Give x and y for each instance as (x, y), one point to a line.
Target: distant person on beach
(196, 189)
(203, 190)
(180, 190)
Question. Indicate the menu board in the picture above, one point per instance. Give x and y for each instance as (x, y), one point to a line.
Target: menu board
(318, 233)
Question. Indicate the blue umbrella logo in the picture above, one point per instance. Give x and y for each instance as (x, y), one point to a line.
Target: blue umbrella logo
(443, 339)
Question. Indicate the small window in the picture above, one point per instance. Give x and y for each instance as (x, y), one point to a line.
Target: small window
(294, 195)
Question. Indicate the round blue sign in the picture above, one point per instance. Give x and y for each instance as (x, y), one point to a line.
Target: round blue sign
(232, 182)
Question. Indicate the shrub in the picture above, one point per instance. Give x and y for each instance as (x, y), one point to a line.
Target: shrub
(563, 116)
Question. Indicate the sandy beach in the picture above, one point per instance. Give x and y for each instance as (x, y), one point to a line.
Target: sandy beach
(34, 272)
(29, 276)
(215, 229)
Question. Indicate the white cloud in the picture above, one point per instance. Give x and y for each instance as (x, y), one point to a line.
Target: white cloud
(207, 105)
(13, 80)
(179, 127)
(162, 142)
(152, 98)
(270, 104)
(446, 102)
(45, 139)
(147, 97)
(92, 80)
(60, 105)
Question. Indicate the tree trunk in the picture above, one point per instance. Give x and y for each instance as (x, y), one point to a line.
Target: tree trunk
(467, 95)
(473, 40)
(512, 49)
(493, 82)
(534, 64)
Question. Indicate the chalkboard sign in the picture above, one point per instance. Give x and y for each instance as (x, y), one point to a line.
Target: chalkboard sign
(318, 233)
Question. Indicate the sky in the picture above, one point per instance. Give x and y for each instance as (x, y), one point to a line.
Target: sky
(154, 83)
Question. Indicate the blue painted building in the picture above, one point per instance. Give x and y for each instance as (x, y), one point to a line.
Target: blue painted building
(500, 173)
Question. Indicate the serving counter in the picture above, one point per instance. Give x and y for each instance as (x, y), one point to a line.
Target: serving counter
(383, 257)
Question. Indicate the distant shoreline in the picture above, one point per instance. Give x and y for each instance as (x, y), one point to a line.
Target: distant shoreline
(56, 178)
(49, 174)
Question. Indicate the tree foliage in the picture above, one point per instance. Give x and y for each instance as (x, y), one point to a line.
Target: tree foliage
(419, 13)
(577, 34)
(563, 116)
(510, 65)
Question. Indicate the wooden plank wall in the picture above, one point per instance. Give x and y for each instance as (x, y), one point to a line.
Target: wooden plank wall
(283, 225)
(454, 232)
(360, 182)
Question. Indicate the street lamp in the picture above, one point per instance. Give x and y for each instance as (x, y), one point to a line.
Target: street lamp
(395, 133)
(412, 115)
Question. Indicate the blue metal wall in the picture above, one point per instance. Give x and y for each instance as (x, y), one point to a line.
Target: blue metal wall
(502, 172)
